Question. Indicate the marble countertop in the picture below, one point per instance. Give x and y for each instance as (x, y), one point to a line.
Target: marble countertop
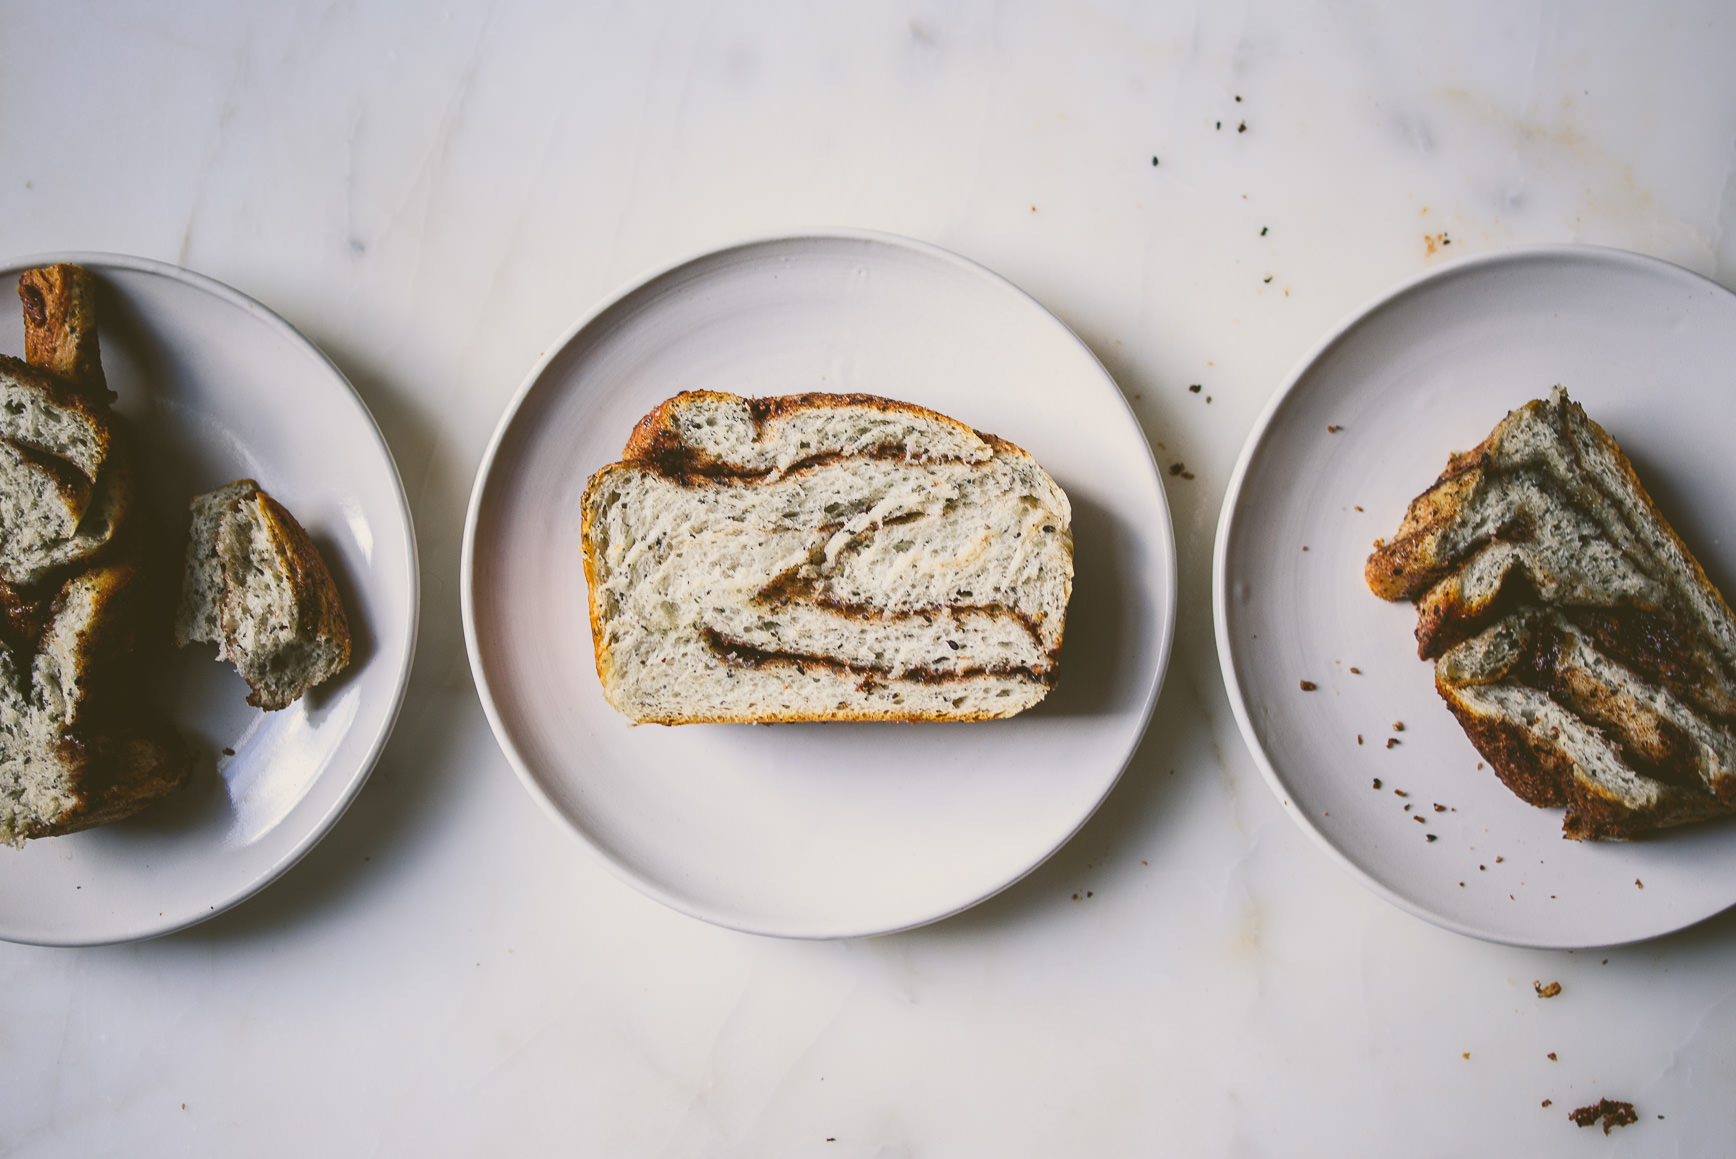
(433, 195)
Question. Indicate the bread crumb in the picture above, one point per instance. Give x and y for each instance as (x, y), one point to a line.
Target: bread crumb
(1354, 671)
(1333, 428)
(1547, 991)
(1377, 779)
(1552, 1057)
(1467, 1054)
(1639, 883)
(1398, 726)
(1392, 742)
(1546, 1102)
(1613, 1114)
(1308, 685)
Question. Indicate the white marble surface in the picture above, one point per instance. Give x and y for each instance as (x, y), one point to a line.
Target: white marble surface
(433, 194)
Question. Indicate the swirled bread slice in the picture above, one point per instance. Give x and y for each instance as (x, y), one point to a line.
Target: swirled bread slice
(823, 557)
(1575, 637)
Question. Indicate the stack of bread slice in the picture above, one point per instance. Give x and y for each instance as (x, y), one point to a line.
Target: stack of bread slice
(80, 742)
(823, 557)
(1575, 637)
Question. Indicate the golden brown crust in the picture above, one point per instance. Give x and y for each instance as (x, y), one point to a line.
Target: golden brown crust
(60, 326)
(320, 608)
(657, 442)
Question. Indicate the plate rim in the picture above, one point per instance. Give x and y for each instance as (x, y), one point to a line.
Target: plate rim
(96, 260)
(485, 469)
(1251, 447)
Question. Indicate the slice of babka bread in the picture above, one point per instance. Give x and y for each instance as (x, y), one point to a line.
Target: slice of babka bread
(823, 557)
(1575, 637)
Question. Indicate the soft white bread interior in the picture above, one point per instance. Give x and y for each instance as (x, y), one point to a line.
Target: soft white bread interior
(257, 587)
(823, 557)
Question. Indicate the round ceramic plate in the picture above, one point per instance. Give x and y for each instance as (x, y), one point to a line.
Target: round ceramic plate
(217, 387)
(1365, 424)
(817, 830)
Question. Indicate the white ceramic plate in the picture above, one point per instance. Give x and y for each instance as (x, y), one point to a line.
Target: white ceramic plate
(218, 387)
(1649, 350)
(817, 830)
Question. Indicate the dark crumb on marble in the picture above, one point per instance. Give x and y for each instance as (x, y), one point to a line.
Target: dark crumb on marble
(1219, 125)
(1552, 1057)
(1407, 808)
(1613, 1114)
(1398, 726)
(1419, 820)
(1499, 860)
(1307, 685)
(1546, 991)
(1461, 885)
(1440, 808)
(1180, 469)
(1193, 387)
(1546, 1102)
(1262, 231)
(1333, 429)
(1359, 508)
(1268, 278)
(1377, 782)
(228, 752)
(1359, 741)
(1639, 884)
(1355, 671)
(1400, 793)
(1154, 160)
(1238, 100)
(1467, 1054)
(1242, 127)
(1391, 742)
(1304, 547)
(1430, 836)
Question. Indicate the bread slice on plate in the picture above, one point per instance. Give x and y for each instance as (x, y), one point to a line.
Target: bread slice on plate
(823, 557)
(256, 586)
(1575, 637)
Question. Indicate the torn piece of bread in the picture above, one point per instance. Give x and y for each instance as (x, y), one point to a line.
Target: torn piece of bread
(60, 332)
(79, 745)
(823, 557)
(256, 586)
(46, 414)
(1575, 637)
